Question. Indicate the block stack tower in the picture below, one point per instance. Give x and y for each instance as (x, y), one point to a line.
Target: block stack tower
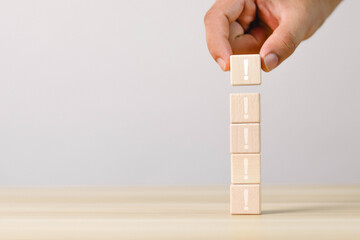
(245, 136)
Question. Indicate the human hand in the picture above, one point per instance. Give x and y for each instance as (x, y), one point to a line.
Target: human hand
(273, 28)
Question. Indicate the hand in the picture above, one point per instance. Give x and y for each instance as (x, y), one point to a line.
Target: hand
(273, 28)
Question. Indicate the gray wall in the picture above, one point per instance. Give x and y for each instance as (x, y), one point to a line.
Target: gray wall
(125, 92)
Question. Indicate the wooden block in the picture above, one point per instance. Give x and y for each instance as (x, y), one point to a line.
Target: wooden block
(245, 69)
(245, 199)
(245, 168)
(245, 108)
(245, 138)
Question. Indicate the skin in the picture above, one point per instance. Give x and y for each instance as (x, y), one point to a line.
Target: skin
(272, 28)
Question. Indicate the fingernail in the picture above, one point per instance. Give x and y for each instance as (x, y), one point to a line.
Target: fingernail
(271, 61)
(221, 63)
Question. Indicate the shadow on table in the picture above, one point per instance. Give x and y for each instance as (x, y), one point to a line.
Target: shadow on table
(326, 208)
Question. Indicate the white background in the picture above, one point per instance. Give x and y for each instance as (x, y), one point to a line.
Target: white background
(125, 93)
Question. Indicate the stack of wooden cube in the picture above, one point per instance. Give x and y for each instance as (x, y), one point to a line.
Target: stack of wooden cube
(245, 136)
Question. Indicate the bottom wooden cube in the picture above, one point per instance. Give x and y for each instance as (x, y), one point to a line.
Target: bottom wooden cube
(245, 199)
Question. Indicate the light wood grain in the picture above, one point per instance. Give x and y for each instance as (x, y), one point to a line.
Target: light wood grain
(245, 107)
(245, 168)
(238, 73)
(294, 212)
(245, 138)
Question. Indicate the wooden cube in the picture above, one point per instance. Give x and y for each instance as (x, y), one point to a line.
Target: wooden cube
(245, 138)
(245, 199)
(245, 108)
(245, 69)
(245, 168)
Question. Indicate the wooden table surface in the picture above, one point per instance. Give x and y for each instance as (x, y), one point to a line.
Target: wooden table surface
(322, 212)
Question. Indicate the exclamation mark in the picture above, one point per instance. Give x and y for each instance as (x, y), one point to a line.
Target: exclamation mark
(246, 165)
(246, 199)
(246, 66)
(246, 137)
(246, 107)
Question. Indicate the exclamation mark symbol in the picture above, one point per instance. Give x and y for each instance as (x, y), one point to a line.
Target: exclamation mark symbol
(246, 199)
(246, 165)
(246, 107)
(246, 138)
(246, 69)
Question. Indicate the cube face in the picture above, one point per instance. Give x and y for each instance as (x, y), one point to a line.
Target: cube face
(245, 199)
(245, 168)
(245, 69)
(245, 138)
(245, 108)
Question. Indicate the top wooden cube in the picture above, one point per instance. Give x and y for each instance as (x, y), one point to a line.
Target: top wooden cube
(245, 69)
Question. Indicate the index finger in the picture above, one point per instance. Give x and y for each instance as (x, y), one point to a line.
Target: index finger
(217, 23)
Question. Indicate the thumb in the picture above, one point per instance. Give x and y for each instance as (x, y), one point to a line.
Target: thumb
(280, 45)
